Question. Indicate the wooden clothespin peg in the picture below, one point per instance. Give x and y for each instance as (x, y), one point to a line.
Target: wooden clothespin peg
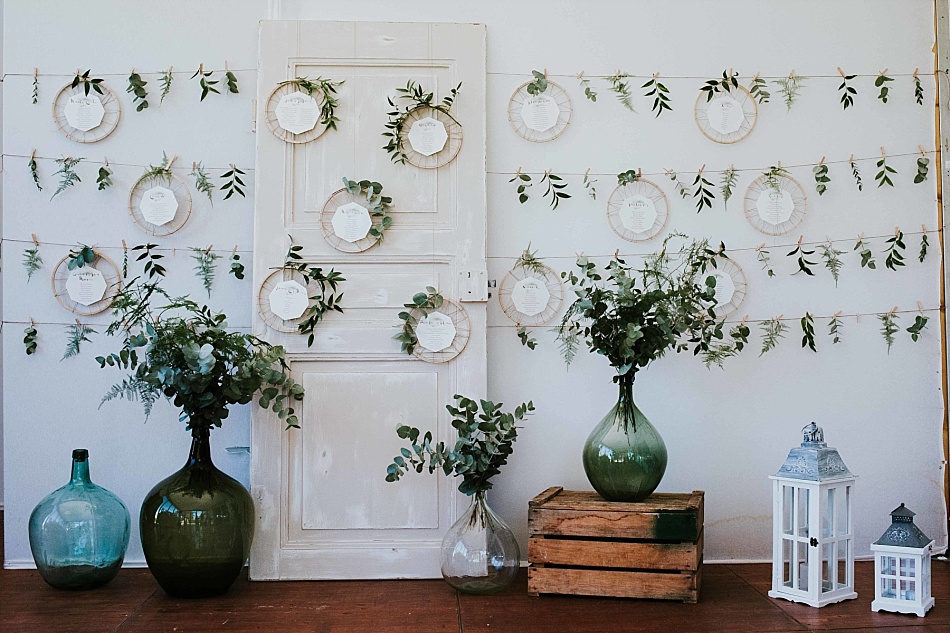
(547, 172)
(586, 171)
(883, 153)
(731, 73)
(851, 159)
(194, 165)
(800, 238)
(923, 152)
(744, 319)
(841, 72)
(821, 162)
(518, 173)
(33, 155)
(32, 322)
(836, 314)
(923, 228)
(897, 230)
(915, 72)
(78, 323)
(208, 250)
(36, 72)
(36, 242)
(702, 168)
(226, 69)
(124, 247)
(617, 254)
(639, 172)
(201, 69)
(884, 72)
(760, 246)
(234, 250)
(545, 72)
(656, 75)
(893, 311)
(132, 70)
(580, 75)
(170, 69)
(171, 162)
(920, 306)
(792, 74)
(779, 317)
(667, 171)
(105, 159)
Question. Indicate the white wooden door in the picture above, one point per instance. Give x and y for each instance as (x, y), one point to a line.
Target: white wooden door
(323, 507)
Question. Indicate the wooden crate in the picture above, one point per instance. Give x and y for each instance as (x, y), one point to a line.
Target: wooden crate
(583, 545)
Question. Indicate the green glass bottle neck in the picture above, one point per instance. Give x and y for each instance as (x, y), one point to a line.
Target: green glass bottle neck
(80, 473)
(200, 447)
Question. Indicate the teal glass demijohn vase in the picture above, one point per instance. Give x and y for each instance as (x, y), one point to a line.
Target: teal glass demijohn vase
(196, 526)
(79, 533)
(624, 456)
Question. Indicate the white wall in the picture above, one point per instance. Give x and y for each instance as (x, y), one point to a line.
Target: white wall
(726, 430)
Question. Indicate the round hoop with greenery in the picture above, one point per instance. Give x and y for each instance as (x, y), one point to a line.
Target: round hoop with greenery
(367, 194)
(421, 105)
(540, 85)
(328, 100)
(85, 85)
(81, 257)
(160, 175)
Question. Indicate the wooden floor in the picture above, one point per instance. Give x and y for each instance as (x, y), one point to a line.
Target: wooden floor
(734, 599)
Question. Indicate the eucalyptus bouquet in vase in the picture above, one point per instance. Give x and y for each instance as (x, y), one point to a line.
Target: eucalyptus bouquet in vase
(633, 316)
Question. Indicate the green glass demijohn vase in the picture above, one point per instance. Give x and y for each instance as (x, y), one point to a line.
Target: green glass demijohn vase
(624, 456)
(79, 533)
(197, 526)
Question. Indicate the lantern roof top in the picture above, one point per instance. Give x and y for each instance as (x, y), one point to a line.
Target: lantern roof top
(814, 460)
(902, 531)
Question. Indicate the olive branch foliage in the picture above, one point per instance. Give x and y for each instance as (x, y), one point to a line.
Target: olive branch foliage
(728, 82)
(848, 92)
(660, 94)
(205, 82)
(758, 88)
(328, 96)
(232, 182)
(414, 97)
(325, 301)
(88, 83)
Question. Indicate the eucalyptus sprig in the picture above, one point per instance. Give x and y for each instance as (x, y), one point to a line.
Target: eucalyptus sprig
(237, 268)
(524, 335)
(76, 334)
(678, 185)
(34, 173)
(589, 185)
(773, 331)
(205, 81)
(835, 325)
(325, 301)
(165, 84)
(923, 168)
(485, 441)
(232, 182)
(802, 253)
(149, 254)
(202, 182)
(808, 332)
(883, 175)
(36, 89)
(867, 256)
(727, 184)
(831, 257)
(32, 261)
(856, 173)
(104, 178)
(67, 174)
(138, 91)
(589, 92)
(895, 250)
(328, 96)
(924, 246)
(88, 83)
(539, 85)
(765, 258)
(848, 92)
(524, 183)
(702, 191)
(758, 89)
(29, 340)
(205, 266)
(555, 189)
(790, 88)
(530, 262)
(660, 94)
(422, 303)
(919, 325)
(881, 83)
(379, 204)
(712, 87)
(628, 177)
(619, 85)
(918, 90)
(231, 81)
(821, 178)
(81, 257)
(888, 328)
(414, 97)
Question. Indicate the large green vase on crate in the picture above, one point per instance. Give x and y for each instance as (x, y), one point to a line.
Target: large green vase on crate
(624, 456)
(197, 526)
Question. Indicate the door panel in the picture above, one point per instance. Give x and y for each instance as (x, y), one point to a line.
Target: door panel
(323, 507)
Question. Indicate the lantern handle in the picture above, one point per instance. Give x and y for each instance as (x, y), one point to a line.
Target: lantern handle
(813, 433)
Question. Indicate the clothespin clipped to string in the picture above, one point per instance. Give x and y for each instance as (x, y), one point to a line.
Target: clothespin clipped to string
(32, 322)
(36, 242)
(170, 70)
(884, 72)
(36, 72)
(704, 165)
(78, 323)
(545, 73)
(851, 158)
(617, 254)
(208, 250)
(518, 173)
(923, 152)
(586, 171)
(226, 69)
(897, 231)
(800, 238)
(234, 250)
(124, 247)
(760, 247)
(580, 76)
(920, 306)
(105, 160)
(923, 228)
(194, 166)
(836, 314)
(171, 162)
(656, 75)
(779, 317)
(841, 72)
(883, 153)
(33, 155)
(639, 172)
(201, 69)
(744, 319)
(821, 162)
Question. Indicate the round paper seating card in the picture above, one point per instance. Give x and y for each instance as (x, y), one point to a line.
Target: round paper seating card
(297, 112)
(775, 207)
(638, 214)
(530, 296)
(637, 210)
(86, 285)
(435, 332)
(725, 288)
(288, 300)
(427, 136)
(158, 205)
(775, 203)
(730, 288)
(728, 117)
(352, 222)
(540, 112)
(542, 116)
(84, 112)
(725, 115)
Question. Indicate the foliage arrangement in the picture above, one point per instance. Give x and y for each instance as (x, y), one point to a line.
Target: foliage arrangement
(848, 92)
(773, 331)
(322, 303)
(524, 183)
(162, 171)
(678, 184)
(104, 178)
(237, 268)
(759, 90)
(205, 81)
(835, 326)
(883, 176)
(856, 173)
(539, 85)
(36, 89)
(138, 91)
(328, 99)
(525, 336)
(184, 352)
(888, 328)
(67, 174)
(88, 83)
(918, 90)
(867, 256)
(232, 182)
(634, 316)
(619, 85)
(802, 253)
(32, 261)
(765, 258)
(34, 173)
(29, 340)
(923, 167)
(821, 178)
(773, 176)
(422, 303)
(165, 84)
(530, 262)
(416, 97)
(727, 185)
(790, 88)
(589, 185)
(205, 266)
(81, 257)
(202, 183)
(920, 324)
(554, 190)
(125, 260)
(924, 245)
(881, 83)
(378, 204)
(712, 87)
(831, 257)
(895, 250)
(148, 253)
(660, 94)
(231, 81)
(628, 177)
(702, 192)
(76, 334)
(808, 332)
(485, 441)
(589, 92)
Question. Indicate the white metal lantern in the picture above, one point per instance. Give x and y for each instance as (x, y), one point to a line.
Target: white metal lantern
(902, 567)
(812, 548)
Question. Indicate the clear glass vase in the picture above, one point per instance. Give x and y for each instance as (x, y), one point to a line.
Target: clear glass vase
(79, 533)
(479, 552)
(624, 456)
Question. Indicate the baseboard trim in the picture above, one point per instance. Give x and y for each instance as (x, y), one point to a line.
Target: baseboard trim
(29, 564)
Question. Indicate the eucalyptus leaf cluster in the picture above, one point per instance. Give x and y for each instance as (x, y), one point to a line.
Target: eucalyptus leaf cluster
(408, 100)
(379, 204)
(81, 257)
(421, 305)
(184, 352)
(485, 441)
(539, 85)
(320, 304)
(329, 101)
(138, 91)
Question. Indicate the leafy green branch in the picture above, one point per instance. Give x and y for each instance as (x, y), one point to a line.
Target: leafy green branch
(889, 327)
(589, 92)
(328, 96)
(918, 90)
(379, 204)
(162, 171)
(758, 89)
(232, 182)
(67, 174)
(32, 261)
(729, 81)
(36, 88)
(29, 340)
(867, 256)
(422, 303)
(148, 253)
(856, 173)
(205, 81)
(524, 335)
(589, 185)
(821, 177)
(923, 168)
(804, 264)
(322, 303)
(202, 182)
(678, 185)
(831, 257)
(76, 334)
(237, 268)
(924, 246)
(790, 88)
(138, 91)
(835, 325)
(702, 191)
(773, 331)
(881, 83)
(555, 189)
(765, 258)
(882, 177)
(530, 262)
(104, 178)
(88, 83)
(727, 184)
(416, 98)
(34, 171)
(919, 325)
(619, 85)
(539, 85)
(165, 84)
(773, 177)
(524, 183)
(895, 250)
(81, 257)
(808, 332)
(660, 94)
(231, 80)
(847, 91)
(205, 266)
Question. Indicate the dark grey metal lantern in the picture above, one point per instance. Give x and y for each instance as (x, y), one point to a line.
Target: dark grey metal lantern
(902, 566)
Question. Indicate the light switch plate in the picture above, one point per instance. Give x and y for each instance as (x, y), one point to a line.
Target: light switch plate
(473, 286)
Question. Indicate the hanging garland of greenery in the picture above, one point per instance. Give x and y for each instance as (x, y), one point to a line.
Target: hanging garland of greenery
(328, 99)
(660, 94)
(923, 168)
(324, 302)
(918, 90)
(237, 268)
(888, 327)
(808, 332)
(678, 184)
(555, 189)
(589, 185)
(424, 303)
(79, 257)
(152, 267)
(729, 80)
(920, 324)
(417, 98)
(882, 177)
(924, 245)
(34, 172)
(881, 83)
(524, 335)
(36, 88)
(88, 83)
(856, 173)
(848, 92)
(524, 183)
(765, 258)
(138, 91)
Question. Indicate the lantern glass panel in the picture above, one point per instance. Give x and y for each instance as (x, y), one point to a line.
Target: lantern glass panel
(888, 587)
(788, 506)
(802, 511)
(842, 520)
(787, 562)
(888, 566)
(828, 567)
(908, 590)
(844, 572)
(908, 566)
(802, 557)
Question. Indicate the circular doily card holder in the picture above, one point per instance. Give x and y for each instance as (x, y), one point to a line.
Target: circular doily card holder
(638, 211)
(160, 205)
(731, 286)
(86, 118)
(78, 295)
(540, 118)
(728, 117)
(437, 135)
(531, 296)
(454, 342)
(265, 296)
(345, 222)
(290, 106)
(778, 209)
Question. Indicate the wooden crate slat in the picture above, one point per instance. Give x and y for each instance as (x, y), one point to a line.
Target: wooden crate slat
(613, 554)
(618, 584)
(669, 526)
(561, 499)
